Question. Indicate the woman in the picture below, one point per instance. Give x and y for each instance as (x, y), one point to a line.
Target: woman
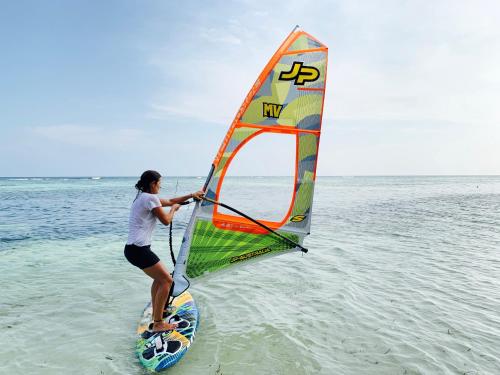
(146, 209)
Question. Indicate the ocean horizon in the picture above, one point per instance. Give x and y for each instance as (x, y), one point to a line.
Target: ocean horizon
(197, 176)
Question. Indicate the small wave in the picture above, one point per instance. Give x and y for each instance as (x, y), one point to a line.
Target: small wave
(13, 239)
(18, 179)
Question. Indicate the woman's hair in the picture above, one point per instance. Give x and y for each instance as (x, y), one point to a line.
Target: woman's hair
(144, 184)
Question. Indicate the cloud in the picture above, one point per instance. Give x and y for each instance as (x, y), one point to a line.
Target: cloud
(90, 136)
(444, 67)
(192, 111)
(215, 35)
(211, 91)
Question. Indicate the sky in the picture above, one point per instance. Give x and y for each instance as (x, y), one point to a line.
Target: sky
(111, 88)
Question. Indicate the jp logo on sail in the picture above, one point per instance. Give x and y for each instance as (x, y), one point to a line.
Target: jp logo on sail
(300, 74)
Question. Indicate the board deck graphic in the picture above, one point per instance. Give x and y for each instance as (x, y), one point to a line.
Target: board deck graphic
(158, 352)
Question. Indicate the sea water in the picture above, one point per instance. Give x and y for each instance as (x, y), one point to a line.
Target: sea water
(402, 277)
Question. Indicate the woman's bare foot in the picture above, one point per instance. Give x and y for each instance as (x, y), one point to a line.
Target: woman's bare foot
(163, 326)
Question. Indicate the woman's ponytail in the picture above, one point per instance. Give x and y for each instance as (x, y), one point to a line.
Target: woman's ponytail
(140, 185)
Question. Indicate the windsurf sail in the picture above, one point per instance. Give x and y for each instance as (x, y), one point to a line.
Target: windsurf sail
(287, 98)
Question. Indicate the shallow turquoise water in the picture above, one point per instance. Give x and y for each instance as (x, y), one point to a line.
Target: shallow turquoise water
(402, 277)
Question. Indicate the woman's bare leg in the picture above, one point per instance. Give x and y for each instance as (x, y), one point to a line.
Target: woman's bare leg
(160, 275)
(154, 290)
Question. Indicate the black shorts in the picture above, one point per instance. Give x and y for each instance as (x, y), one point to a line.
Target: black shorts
(141, 256)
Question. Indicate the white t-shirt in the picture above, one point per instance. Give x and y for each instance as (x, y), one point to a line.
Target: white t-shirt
(142, 221)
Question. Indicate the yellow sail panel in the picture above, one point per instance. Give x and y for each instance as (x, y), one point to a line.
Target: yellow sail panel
(292, 93)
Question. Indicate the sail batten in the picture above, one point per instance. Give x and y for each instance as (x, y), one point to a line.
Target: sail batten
(277, 129)
(286, 98)
(300, 51)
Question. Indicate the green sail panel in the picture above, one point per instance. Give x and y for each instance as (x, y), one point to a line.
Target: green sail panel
(214, 249)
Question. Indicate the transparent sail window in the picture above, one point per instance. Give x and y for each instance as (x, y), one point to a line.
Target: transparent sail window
(260, 179)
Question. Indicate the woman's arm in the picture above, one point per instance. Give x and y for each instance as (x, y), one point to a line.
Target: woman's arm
(177, 200)
(165, 218)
